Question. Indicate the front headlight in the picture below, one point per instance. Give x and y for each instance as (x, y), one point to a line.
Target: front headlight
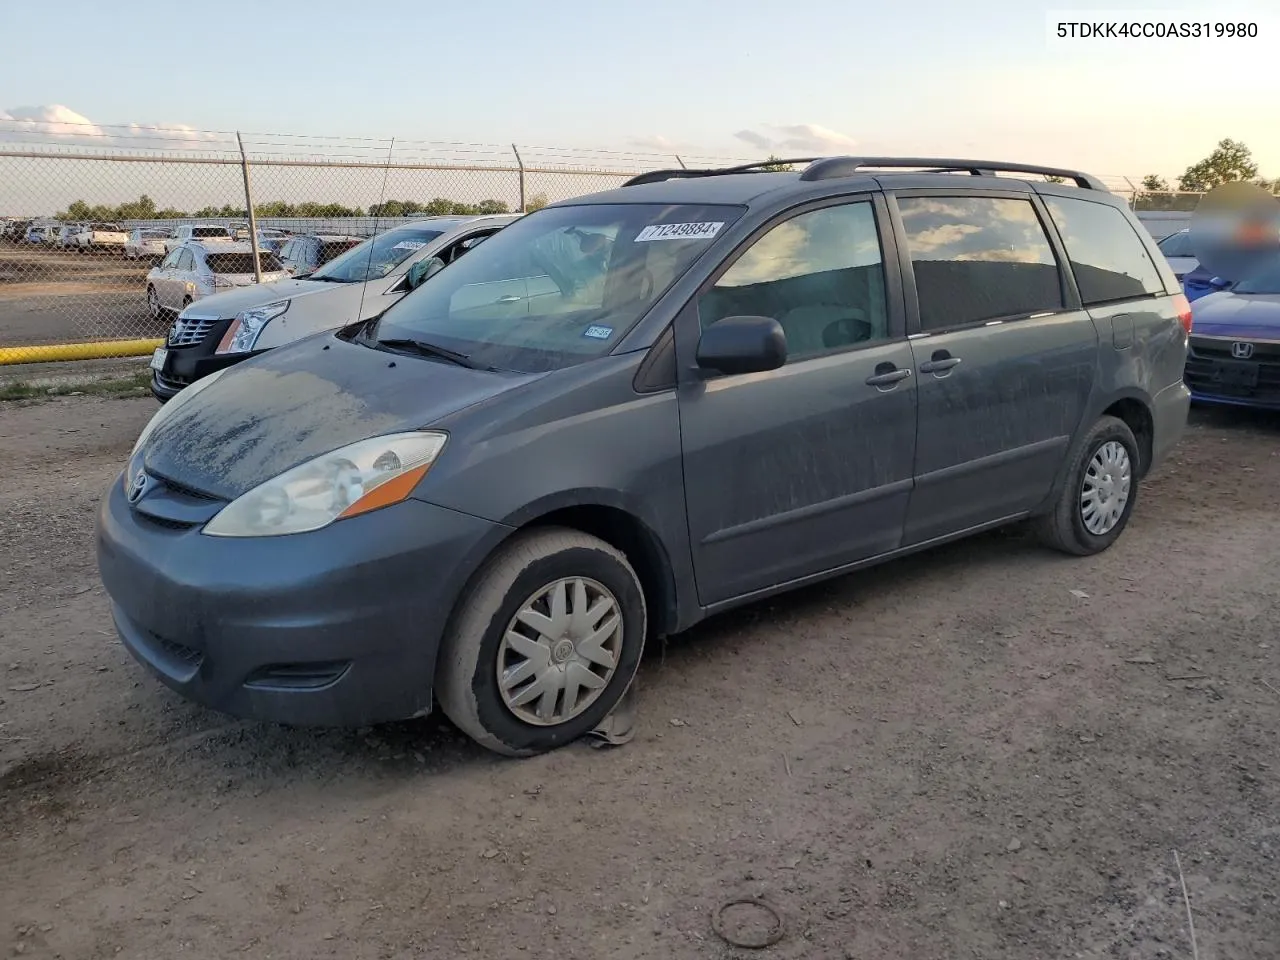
(352, 480)
(244, 330)
(185, 395)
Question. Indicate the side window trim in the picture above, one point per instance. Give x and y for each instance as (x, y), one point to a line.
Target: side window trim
(688, 318)
(1066, 280)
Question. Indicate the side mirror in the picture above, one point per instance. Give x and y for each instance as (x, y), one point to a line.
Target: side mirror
(743, 345)
(424, 270)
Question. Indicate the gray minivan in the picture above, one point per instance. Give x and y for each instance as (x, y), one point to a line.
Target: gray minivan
(631, 410)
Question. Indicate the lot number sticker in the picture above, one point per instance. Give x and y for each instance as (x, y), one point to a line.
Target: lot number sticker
(679, 231)
(410, 245)
(598, 332)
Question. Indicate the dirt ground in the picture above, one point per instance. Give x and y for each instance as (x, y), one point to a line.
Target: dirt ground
(986, 752)
(53, 296)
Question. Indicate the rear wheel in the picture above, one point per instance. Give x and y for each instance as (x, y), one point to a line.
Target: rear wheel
(1099, 491)
(543, 644)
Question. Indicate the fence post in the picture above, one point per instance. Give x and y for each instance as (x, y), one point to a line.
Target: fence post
(248, 204)
(679, 161)
(520, 164)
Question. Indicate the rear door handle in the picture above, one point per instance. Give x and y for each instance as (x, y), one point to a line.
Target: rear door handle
(887, 378)
(939, 362)
(510, 298)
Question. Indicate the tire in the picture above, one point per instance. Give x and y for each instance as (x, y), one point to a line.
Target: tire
(1067, 526)
(153, 305)
(467, 681)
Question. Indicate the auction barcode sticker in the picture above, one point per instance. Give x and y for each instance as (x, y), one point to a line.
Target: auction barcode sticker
(679, 231)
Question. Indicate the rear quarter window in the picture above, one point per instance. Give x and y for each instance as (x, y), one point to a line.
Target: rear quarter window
(1108, 258)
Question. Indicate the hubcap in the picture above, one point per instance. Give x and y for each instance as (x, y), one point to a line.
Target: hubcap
(1105, 491)
(560, 651)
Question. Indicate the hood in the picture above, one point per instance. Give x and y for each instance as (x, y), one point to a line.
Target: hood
(227, 305)
(286, 406)
(1244, 315)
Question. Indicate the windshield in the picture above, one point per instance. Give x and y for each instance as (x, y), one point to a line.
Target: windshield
(228, 263)
(331, 248)
(557, 287)
(209, 232)
(377, 257)
(1268, 281)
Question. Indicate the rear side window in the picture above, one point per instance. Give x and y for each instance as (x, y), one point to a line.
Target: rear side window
(209, 232)
(1107, 256)
(242, 263)
(1178, 245)
(979, 258)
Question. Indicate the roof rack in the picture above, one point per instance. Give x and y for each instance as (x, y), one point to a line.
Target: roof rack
(760, 166)
(830, 168)
(833, 167)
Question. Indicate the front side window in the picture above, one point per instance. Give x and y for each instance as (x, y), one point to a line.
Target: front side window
(557, 287)
(186, 261)
(1108, 258)
(171, 261)
(819, 274)
(977, 259)
(376, 257)
(210, 232)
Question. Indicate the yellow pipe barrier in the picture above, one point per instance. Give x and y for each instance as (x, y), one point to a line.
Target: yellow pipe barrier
(97, 350)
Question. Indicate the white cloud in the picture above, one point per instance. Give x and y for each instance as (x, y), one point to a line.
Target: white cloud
(58, 124)
(654, 141)
(798, 137)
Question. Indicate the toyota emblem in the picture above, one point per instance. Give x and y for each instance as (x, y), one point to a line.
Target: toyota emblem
(138, 486)
(1242, 350)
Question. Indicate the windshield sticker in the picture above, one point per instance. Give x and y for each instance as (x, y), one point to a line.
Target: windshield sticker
(679, 231)
(598, 332)
(410, 245)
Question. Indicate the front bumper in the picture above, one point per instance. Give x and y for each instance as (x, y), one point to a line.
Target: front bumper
(184, 365)
(338, 627)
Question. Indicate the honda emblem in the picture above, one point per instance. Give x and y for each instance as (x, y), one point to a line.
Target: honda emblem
(1242, 350)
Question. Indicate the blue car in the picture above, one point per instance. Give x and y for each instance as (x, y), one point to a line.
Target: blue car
(1200, 282)
(1234, 353)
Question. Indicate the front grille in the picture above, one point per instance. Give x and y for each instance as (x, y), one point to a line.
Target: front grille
(1201, 376)
(182, 489)
(1220, 349)
(179, 652)
(173, 381)
(188, 331)
(165, 522)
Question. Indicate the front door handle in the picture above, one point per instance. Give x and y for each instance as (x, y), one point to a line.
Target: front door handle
(509, 298)
(887, 375)
(940, 362)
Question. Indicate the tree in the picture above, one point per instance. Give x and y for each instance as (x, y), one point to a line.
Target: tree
(1052, 179)
(1230, 161)
(775, 165)
(1155, 184)
(536, 202)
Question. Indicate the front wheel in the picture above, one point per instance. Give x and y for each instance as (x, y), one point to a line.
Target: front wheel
(544, 642)
(1099, 491)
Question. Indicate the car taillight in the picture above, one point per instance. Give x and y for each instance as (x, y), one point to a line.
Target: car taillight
(1183, 306)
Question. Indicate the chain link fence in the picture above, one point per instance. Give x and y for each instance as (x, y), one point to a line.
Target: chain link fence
(86, 218)
(87, 211)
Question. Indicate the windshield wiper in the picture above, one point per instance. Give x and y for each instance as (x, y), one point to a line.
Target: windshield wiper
(432, 350)
(312, 276)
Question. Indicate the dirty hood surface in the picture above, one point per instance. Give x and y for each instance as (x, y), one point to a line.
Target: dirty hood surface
(286, 406)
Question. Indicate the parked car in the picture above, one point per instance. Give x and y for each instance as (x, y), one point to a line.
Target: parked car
(16, 230)
(193, 271)
(42, 234)
(198, 232)
(305, 254)
(146, 243)
(1177, 250)
(631, 410)
(268, 239)
(364, 281)
(65, 237)
(101, 237)
(1234, 355)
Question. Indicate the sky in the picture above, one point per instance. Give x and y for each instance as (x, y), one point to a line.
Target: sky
(701, 77)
